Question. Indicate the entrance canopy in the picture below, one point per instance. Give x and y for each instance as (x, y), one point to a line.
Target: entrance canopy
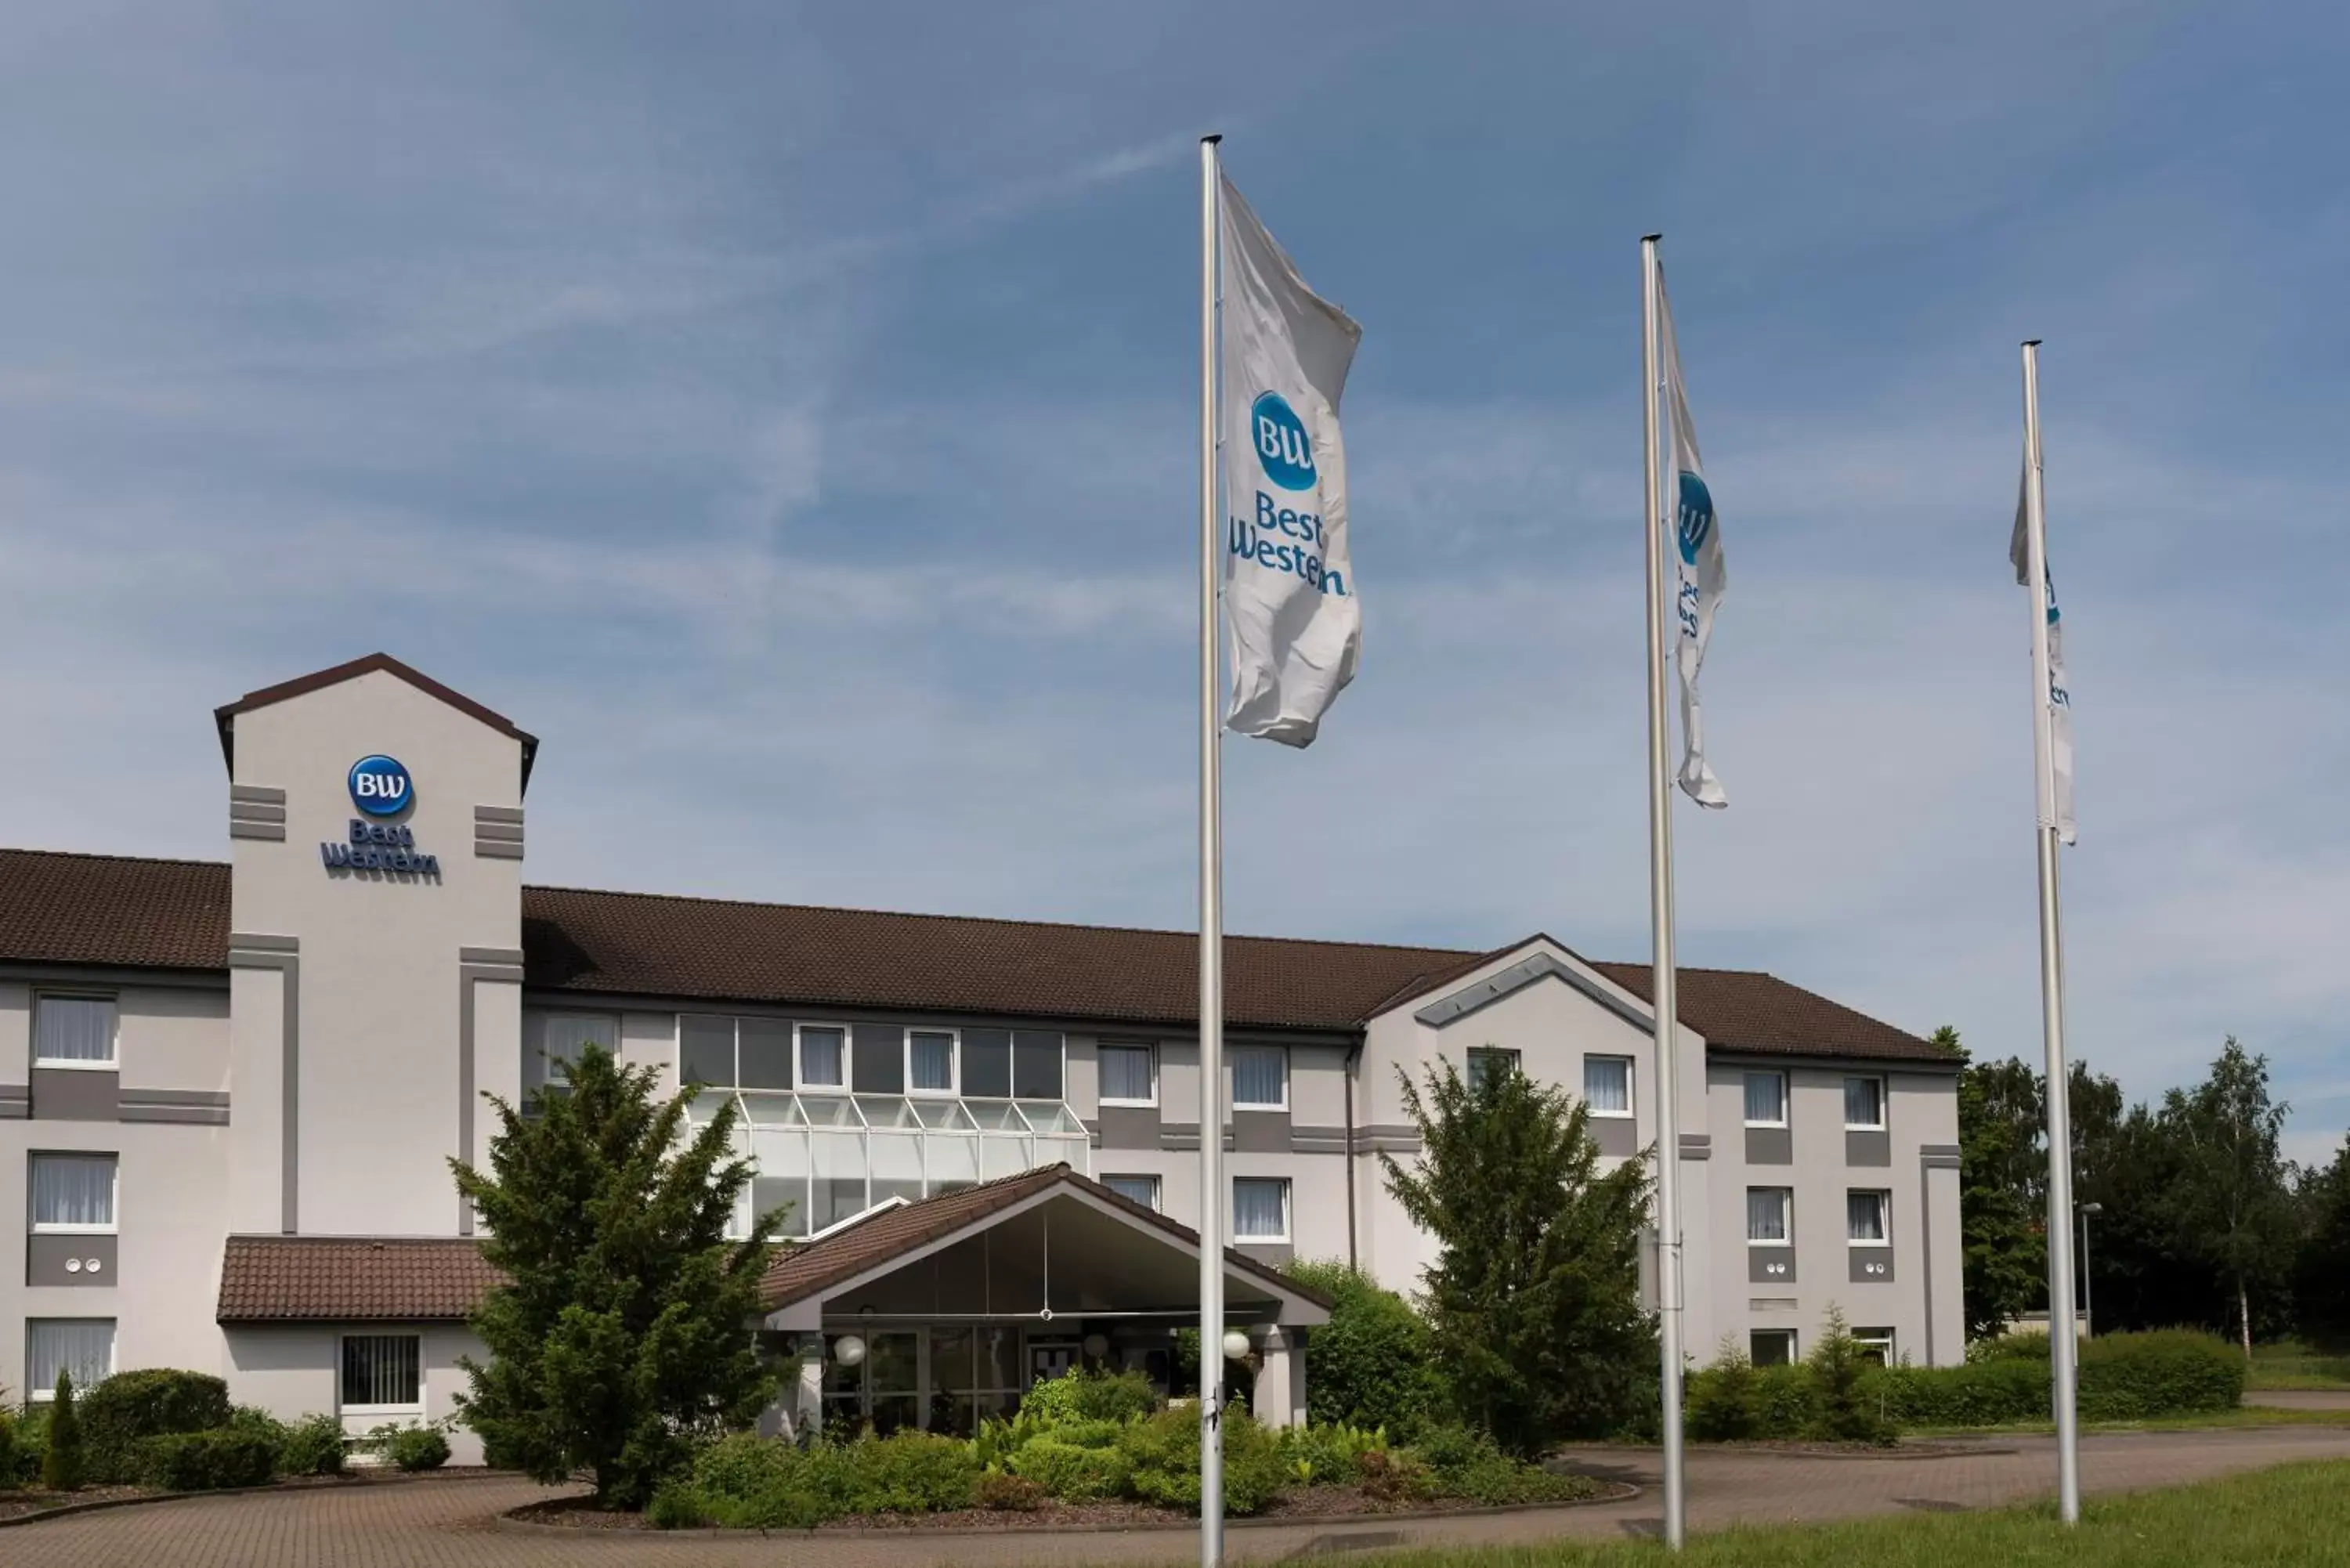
(1042, 1247)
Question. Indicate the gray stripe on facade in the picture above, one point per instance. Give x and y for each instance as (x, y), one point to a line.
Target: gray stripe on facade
(509, 957)
(267, 832)
(495, 849)
(498, 814)
(1697, 1146)
(15, 1102)
(1526, 972)
(1940, 1162)
(256, 795)
(1930, 1149)
(283, 954)
(503, 832)
(143, 1109)
(251, 811)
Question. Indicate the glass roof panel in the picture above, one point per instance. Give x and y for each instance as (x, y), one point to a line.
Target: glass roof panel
(823, 1111)
(886, 1113)
(705, 1106)
(943, 1113)
(773, 1111)
(1049, 1117)
(996, 1115)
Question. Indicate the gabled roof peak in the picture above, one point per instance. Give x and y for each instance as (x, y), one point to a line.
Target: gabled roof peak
(224, 716)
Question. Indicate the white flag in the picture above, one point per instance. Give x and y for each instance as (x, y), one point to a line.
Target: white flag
(1700, 572)
(1295, 624)
(2056, 813)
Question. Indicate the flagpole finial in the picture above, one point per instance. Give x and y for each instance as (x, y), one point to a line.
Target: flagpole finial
(1651, 239)
(2032, 343)
(1212, 137)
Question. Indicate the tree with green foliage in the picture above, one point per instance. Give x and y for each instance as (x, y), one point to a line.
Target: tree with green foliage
(1535, 1299)
(623, 1333)
(2002, 1236)
(2233, 1203)
(2322, 1263)
(62, 1462)
(1372, 1364)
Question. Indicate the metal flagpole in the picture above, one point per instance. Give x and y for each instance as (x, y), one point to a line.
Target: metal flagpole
(1660, 908)
(1212, 909)
(2061, 1344)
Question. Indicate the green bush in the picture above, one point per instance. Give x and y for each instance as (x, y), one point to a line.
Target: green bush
(1010, 1494)
(1465, 1463)
(223, 1457)
(312, 1446)
(1080, 1394)
(678, 1504)
(744, 1481)
(151, 1402)
(11, 1452)
(2020, 1346)
(410, 1448)
(1071, 1474)
(1328, 1453)
(1369, 1365)
(1085, 1433)
(1786, 1401)
(63, 1463)
(1719, 1400)
(910, 1473)
(32, 1446)
(1164, 1453)
(2167, 1372)
(1849, 1410)
(1983, 1394)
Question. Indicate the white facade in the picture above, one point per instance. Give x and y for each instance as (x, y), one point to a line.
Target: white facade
(316, 1079)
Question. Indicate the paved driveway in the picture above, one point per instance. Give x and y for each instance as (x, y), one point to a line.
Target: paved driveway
(450, 1521)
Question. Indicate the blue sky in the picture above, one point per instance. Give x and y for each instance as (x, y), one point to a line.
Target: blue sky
(787, 413)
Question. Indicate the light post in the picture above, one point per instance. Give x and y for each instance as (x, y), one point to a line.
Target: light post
(2089, 1312)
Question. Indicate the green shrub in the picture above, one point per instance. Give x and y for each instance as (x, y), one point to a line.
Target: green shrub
(1071, 1474)
(1849, 1410)
(410, 1448)
(1009, 1493)
(1369, 1365)
(32, 1446)
(223, 1457)
(1328, 1453)
(1983, 1394)
(910, 1473)
(1391, 1478)
(2031, 1345)
(1719, 1401)
(744, 1481)
(151, 1402)
(1466, 1463)
(1164, 1453)
(1082, 1395)
(11, 1452)
(1786, 1401)
(678, 1504)
(312, 1446)
(2167, 1372)
(64, 1464)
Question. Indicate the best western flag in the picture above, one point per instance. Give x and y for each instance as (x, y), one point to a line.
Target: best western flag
(1290, 603)
(2056, 813)
(1700, 575)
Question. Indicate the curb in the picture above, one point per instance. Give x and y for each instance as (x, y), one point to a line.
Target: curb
(99, 1505)
(1620, 1491)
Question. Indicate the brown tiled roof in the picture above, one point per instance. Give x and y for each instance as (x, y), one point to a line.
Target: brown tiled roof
(316, 1279)
(224, 716)
(173, 914)
(812, 1269)
(111, 909)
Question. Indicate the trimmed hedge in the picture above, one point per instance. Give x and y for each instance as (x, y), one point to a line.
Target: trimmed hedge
(128, 1407)
(207, 1461)
(1072, 1474)
(749, 1482)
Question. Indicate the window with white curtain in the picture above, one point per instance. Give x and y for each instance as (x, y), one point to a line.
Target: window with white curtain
(1127, 1078)
(930, 1062)
(1260, 1077)
(1607, 1086)
(1864, 1214)
(83, 1346)
(824, 1056)
(568, 1036)
(1143, 1189)
(72, 1192)
(1259, 1209)
(1864, 1103)
(382, 1372)
(73, 1032)
(1767, 1214)
(1766, 1100)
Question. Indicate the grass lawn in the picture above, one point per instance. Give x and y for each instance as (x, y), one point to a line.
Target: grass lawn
(2289, 1515)
(2244, 1416)
(2290, 1363)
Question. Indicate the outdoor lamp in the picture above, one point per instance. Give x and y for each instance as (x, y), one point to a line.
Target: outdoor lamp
(1236, 1345)
(1097, 1346)
(849, 1350)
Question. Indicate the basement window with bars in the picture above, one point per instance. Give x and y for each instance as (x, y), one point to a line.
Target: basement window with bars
(384, 1374)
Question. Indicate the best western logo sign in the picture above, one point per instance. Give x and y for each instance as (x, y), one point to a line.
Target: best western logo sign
(380, 790)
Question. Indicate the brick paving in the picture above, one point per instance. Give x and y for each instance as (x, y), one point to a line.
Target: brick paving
(451, 1520)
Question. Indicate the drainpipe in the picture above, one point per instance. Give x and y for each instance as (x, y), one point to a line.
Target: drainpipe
(1354, 1055)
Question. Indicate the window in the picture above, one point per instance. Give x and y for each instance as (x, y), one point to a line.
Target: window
(974, 1373)
(1143, 1189)
(1766, 1100)
(72, 1192)
(1864, 1103)
(1864, 1218)
(81, 1346)
(1036, 1064)
(930, 1062)
(733, 1053)
(1874, 1345)
(1489, 1062)
(73, 1032)
(1771, 1346)
(705, 1051)
(382, 1372)
(987, 1064)
(1259, 1209)
(568, 1036)
(824, 1056)
(1126, 1076)
(1260, 1078)
(1607, 1086)
(1769, 1210)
